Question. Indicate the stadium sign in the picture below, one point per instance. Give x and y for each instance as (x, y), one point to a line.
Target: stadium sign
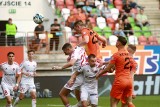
(15, 3)
(143, 85)
(147, 57)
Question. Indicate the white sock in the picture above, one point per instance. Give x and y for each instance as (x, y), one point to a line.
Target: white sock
(33, 102)
(68, 105)
(16, 101)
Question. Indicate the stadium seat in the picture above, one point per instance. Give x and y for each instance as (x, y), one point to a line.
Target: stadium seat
(69, 4)
(101, 22)
(131, 21)
(111, 23)
(152, 40)
(133, 40)
(146, 31)
(98, 30)
(93, 21)
(137, 31)
(113, 40)
(68, 32)
(142, 40)
(65, 13)
(107, 31)
(114, 13)
(118, 4)
(135, 11)
(60, 4)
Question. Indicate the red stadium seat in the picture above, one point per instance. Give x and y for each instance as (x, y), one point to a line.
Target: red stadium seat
(152, 40)
(93, 21)
(69, 4)
(135, 11)
(60, 4)
(142, 40)
(118, 4)
(111, 23)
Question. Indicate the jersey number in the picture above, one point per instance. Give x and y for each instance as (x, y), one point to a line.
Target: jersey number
(127, 62)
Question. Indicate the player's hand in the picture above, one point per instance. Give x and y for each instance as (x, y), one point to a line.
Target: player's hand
(26, 73)
(34, 74)
(104, 45)
(56, 68)
(97, 76)
(15, 88)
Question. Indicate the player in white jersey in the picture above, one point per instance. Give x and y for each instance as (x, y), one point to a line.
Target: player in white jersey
(90, 86)
(77, 57)
(28, 68)
(10, 70)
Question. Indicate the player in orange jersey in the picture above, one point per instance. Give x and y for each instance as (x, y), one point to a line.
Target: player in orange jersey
(90, 39)
(122, 85)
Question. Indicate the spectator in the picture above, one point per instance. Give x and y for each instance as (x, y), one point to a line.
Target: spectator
(134, 4)
(127, 28)
(39, 29)
(71, 19)
(55, 29)
(91, 3)
(122, 16)
(119, 27)
(106, 12)
(11, 30)
(127, 8)
(141, 19)
(81, 16)
(80, 3)
(87, 8)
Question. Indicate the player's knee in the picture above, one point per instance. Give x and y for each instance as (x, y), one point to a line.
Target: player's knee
(130, 104)
(84, 104)
(9, 101)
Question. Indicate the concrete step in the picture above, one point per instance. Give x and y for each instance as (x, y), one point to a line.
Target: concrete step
(155, 16)
(156, 22)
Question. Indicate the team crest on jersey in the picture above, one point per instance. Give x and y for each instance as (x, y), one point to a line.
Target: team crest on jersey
(6, 68)
(13, 69)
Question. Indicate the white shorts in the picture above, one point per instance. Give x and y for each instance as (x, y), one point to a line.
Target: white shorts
(78, 82)
(27, 87)
(7, 90)
(91, 94)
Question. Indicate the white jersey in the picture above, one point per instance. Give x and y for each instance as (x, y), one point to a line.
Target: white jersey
(9, 73)
(29, 67)
(90, 75)
(80, 55)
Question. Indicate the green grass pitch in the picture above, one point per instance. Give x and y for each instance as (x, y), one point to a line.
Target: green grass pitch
(140, 101)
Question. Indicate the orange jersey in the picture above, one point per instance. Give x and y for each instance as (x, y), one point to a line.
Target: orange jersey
(92, 46)
(122, 85)
(121, 59)
(134, 65)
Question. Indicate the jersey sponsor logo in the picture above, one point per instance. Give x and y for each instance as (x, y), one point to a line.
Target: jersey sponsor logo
(9, 74)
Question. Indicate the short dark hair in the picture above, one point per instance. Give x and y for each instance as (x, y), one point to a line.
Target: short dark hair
(133, 47)
(55, 19)
(122, 40)
(66, 45)
(79, 22)
(91, 56)
(10, 53)
(30, 51)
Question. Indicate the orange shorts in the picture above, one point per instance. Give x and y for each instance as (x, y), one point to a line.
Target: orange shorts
(122, 88)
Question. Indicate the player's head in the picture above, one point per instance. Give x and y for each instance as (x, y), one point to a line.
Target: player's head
(10, 56)
(121, 41)
(30, 54)
(131, 48)
(92, 60)
(67, 48)
(78, 25)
